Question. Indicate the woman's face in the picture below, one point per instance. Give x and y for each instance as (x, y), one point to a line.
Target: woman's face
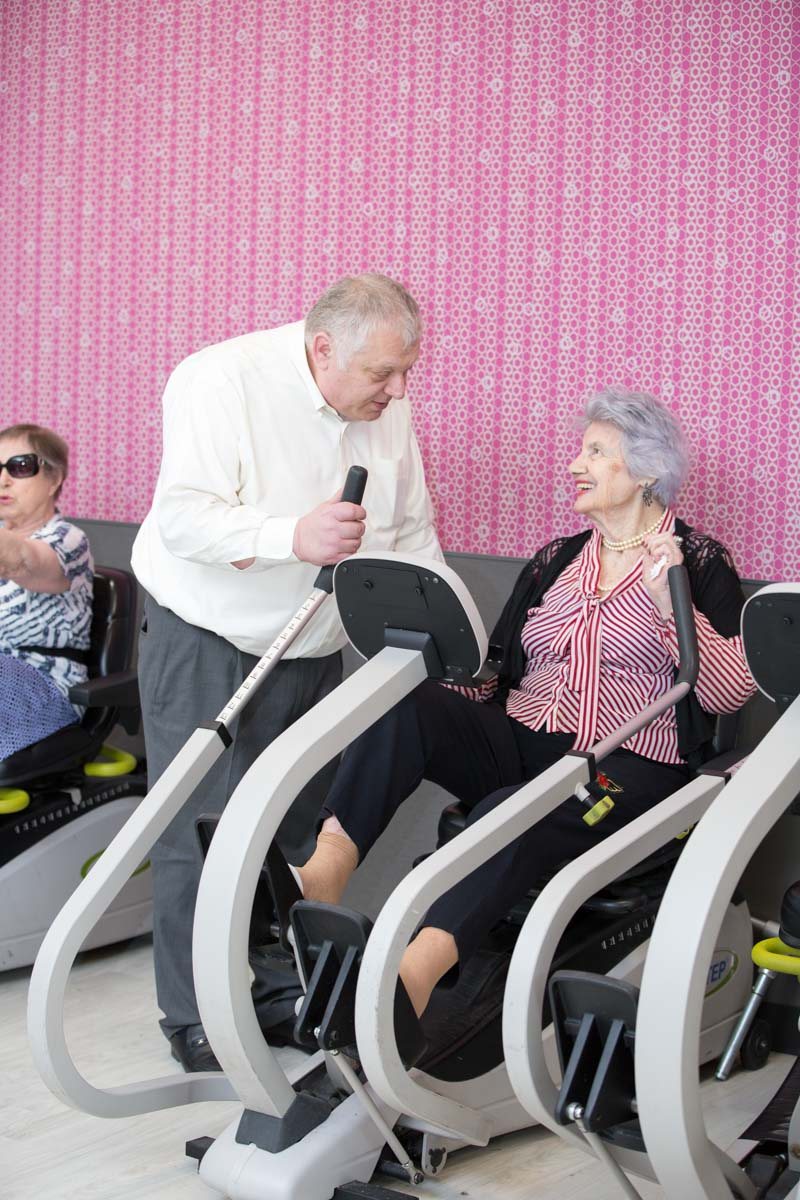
(25, 501)
(604, 483)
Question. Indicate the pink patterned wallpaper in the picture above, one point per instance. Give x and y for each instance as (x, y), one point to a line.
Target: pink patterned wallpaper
(577, 191)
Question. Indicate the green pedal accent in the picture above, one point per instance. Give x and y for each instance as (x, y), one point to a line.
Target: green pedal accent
(13, 800)
(114, 762)
(598, 812)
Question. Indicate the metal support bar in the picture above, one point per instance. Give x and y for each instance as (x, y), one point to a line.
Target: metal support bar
(397, 1148)
(760, 989)
(604, 1154)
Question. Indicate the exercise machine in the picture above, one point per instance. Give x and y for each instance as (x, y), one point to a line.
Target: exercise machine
(321, 1129)
(630, 1088)
(64, 798)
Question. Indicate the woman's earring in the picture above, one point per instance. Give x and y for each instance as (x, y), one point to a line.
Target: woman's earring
(647, 494)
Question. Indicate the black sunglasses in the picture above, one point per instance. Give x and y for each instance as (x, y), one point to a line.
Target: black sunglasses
(22, 466)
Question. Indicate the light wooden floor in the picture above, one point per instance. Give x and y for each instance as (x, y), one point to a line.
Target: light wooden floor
(49, 1152)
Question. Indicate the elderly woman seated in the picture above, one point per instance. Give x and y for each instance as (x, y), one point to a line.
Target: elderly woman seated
(588, 641)
(45, 590)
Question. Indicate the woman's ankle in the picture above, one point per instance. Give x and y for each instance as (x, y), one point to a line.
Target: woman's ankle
(427, 960)
(325, 876)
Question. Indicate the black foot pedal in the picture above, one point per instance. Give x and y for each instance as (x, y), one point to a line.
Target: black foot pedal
(594, 1021)
(330, 942)
(368, 1191)
(197, 1147)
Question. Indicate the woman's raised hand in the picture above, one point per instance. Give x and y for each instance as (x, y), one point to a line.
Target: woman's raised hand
(661, 551)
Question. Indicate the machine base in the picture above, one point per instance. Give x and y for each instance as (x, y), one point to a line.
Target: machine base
(63, 837)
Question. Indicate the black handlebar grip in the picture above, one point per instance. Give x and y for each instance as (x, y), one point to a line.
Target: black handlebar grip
(354, 484)
(689, 659)
(353, 493)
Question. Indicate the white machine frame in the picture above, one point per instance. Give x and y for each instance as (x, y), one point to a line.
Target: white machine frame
(347, 1146)
(680, 1156)
(685, 1160)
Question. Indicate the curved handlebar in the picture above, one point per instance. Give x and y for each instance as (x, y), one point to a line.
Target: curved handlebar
(353, 493)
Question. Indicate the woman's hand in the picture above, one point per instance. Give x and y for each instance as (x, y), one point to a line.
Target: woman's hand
(661, 551)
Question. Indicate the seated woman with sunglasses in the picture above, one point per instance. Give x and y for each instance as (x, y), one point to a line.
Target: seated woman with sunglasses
(45, 590)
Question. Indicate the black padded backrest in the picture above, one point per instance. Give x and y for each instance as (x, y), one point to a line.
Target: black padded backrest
(113, 612)
(112, 639)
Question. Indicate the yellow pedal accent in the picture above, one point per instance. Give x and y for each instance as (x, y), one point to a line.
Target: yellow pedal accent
(13, 800)
(598, 812)
(87, 866)
(113, 762)
(774, 955)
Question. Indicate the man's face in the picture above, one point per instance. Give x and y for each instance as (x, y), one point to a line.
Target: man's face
(375, 375)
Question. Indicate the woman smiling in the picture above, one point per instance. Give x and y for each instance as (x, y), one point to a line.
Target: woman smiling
(45, 590)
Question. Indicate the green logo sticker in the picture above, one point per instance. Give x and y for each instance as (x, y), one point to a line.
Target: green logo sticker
(724, 966)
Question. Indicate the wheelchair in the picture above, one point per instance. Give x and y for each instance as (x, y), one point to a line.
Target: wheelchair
(64, 798)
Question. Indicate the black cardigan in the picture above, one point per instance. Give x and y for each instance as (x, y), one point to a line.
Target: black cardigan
(716, 592)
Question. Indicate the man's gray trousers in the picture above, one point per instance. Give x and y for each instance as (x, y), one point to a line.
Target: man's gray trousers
(186, 676)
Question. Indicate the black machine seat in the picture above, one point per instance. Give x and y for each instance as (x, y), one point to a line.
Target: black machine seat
(110, 693)
(624, 895)
(631, 888)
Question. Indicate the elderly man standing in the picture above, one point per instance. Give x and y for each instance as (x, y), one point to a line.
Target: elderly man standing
(259, 433)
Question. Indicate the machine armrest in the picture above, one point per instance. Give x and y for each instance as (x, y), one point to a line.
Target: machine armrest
(120, 690)
(720, 764)
(491, 665)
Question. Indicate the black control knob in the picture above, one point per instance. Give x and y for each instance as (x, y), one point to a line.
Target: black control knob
(790, 916)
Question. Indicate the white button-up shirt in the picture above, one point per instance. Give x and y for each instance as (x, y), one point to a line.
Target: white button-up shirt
(250, 446)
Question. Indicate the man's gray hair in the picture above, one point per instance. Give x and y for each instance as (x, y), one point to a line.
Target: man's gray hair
(652, 445)
(350, 311)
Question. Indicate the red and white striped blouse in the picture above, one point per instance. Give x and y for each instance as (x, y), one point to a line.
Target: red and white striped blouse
(593, 664)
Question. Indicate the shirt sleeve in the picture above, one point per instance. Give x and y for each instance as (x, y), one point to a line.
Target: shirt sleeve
(71, 547)
(724, 682)
(74, 606)
(417, 534)
(197, 506)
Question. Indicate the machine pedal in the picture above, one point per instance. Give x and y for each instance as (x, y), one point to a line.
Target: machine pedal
(594, 1020)
(368, 1191)
(197, 1147)
(329, 943)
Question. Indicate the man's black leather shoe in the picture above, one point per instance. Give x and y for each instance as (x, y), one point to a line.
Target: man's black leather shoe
(191, 1048)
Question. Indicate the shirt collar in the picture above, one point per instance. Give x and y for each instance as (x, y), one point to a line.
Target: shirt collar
(297, 354)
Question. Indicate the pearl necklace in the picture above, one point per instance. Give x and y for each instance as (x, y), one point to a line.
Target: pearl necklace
(629, 543)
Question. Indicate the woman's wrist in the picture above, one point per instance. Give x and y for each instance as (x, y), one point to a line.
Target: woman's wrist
(664, 610)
